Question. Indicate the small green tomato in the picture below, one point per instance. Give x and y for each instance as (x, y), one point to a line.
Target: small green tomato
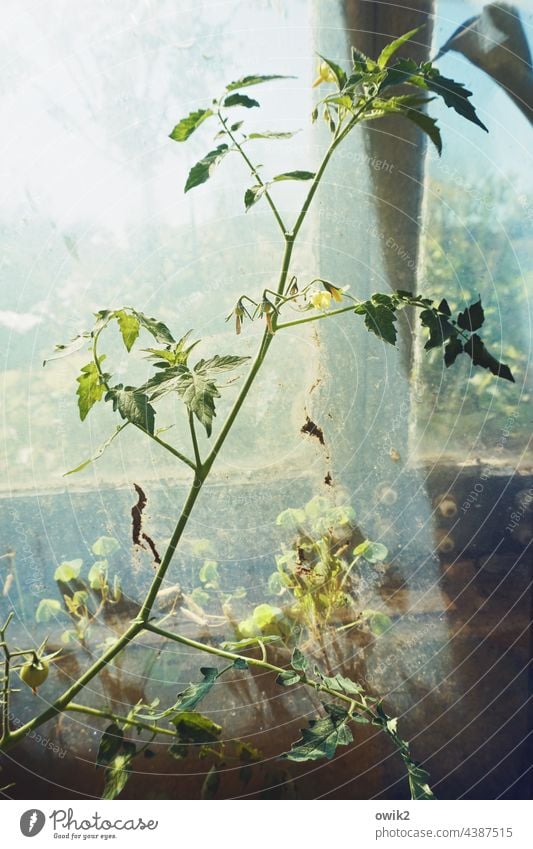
(34, 674)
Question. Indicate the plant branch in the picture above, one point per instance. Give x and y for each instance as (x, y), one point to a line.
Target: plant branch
(107, 714)
(194, 441)
(152, 436)
(313, 318)
(255, 174)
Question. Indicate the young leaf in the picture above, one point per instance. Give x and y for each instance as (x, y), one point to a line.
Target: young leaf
(105, 546)
(195, 692)
(427, 124)
(472, 318)
(188, 125)
(240, 100)
(64, 350)
(156, 328)
(295, 175)
(298, 660)
(218, 364)
(256, 79)
(68, 570)
(198, 392)
(338, 72)
(203, 169)
(455, 95)
(132, 405)
(373, 552)
(481, 357)
(287, 678)
(267, 134)
(323, 736)
(390, 49)
(47, 609)
(252, 195)
(129, 327)
(90, 389)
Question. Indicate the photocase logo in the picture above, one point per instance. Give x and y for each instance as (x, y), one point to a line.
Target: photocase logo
(32, 822)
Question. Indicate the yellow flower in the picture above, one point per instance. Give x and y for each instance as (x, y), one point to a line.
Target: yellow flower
(325, 75)
(335, 293)
(321, 300)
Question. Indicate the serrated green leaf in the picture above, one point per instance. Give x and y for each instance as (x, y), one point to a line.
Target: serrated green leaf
(195, 692)
(252, 195)
(196, 387)
(68, 570)
(472, 318)
(455, 95)
(132, 405)
(390, 49)
(129, 326)
(294, 175)
(219, 364)
(476, 350)
(240, 100)
(90, 390)
(198, 392)
(203, 169)
(156, 328)
(379, 319)
(323, 737)
(188, 125)
(256, 79)
(427, 124)
(401, 72)
(47, 609)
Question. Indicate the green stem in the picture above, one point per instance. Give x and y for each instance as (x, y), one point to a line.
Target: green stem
(254, 173)
(125, 720)
(200, 474)
(313, 318)
(194, 441)
(261, 664)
